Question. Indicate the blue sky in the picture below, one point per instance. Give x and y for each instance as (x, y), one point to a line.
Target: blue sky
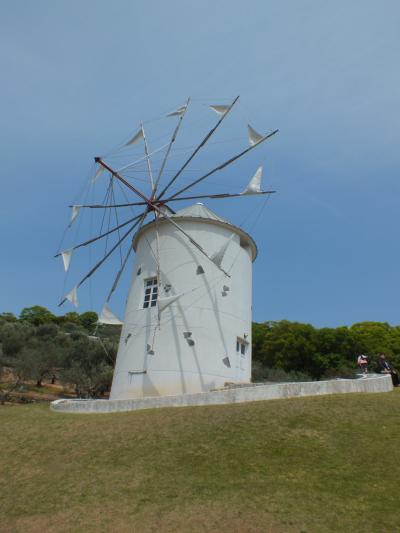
(77, 77)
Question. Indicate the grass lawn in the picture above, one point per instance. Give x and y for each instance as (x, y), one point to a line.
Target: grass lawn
(305, 465)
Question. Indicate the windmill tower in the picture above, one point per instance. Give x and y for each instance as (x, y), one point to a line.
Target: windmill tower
(187, 325)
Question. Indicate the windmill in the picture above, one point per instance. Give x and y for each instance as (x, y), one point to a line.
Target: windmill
(187, 325)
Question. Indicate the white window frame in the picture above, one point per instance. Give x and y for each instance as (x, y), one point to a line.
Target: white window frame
(150, 293)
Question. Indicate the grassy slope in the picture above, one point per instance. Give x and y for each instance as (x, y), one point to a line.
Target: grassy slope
(313, 464)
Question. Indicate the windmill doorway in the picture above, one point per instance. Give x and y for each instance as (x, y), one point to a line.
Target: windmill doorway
(242, 348)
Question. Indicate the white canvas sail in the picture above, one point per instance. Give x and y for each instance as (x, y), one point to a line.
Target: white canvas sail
(220, 109)
(137, 137)
(74, 213)
(254, 185)
(254, 137)
(72, 297)
(178, 112)
(108, 317)
(66, 257)
(97, 174)
(163, 303)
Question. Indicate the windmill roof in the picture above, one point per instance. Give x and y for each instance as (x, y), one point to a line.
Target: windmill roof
(200, 211)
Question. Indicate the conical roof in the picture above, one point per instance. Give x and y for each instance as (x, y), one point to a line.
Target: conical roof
(199, 210)
(202, 213)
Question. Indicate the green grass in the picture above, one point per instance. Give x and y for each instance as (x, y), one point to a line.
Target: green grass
(305, 465)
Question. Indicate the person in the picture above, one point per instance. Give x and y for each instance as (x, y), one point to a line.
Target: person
(362, 362)
(384, 367)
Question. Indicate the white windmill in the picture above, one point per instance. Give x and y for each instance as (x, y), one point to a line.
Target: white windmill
(187, 324)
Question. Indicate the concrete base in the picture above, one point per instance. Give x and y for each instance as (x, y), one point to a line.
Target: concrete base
(252, 393)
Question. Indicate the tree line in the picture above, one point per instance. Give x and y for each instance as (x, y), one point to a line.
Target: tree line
(301, 349)
(74, 350)
(70, 349)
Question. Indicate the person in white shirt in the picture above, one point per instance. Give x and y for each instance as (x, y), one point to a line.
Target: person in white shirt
(362, 362)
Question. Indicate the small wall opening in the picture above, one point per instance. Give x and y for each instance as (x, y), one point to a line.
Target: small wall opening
(242, 346)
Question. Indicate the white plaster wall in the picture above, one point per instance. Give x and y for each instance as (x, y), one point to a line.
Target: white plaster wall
(214, 320)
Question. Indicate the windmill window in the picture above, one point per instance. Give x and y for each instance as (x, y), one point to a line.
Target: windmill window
(241, 346)
(150, 293)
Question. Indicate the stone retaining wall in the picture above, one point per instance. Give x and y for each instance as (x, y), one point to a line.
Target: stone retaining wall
(254, 393)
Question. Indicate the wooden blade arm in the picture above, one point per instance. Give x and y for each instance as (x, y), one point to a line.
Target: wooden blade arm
(203, 142)
(103, 234)
(223, 165)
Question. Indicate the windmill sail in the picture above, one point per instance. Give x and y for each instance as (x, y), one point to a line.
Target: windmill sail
(163, 303)
(74, 213)
(66, 257)
(97, 174)
(178, 112)
(254, 185)
(254, 137)
(220, 109)
(137, 137)
(72, 297)
(108, 317)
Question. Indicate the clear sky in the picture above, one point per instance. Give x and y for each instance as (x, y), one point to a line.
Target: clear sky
(78, 76)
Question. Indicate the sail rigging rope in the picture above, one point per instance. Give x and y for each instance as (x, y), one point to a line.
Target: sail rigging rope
(77, 229)
(117, 221)
(119, 273)
(99, 263)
